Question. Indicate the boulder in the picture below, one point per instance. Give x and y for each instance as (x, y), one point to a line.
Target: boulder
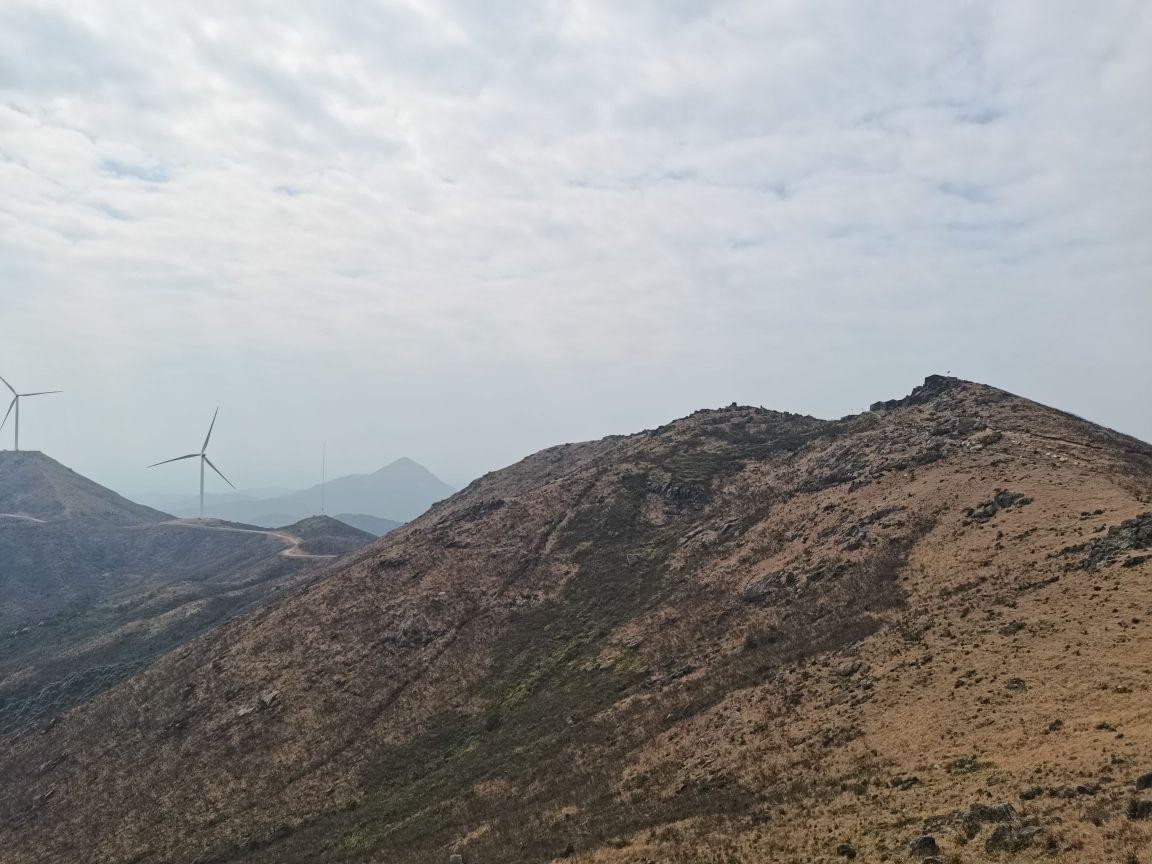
(923, 846)
(1140, 809)
(1011, 837)
(1003, 812)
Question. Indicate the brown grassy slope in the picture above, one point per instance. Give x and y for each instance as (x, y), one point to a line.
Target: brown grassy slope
(743, 637)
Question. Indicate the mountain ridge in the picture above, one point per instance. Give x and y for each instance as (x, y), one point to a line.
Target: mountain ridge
(745, 635)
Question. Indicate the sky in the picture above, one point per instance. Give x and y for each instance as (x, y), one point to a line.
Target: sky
(464, 231)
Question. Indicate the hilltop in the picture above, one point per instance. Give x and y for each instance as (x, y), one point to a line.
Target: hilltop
(35, 486)
(744, 636)
(324, 535)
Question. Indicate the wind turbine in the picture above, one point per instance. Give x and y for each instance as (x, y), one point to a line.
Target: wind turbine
(15, 403)
(203, 457)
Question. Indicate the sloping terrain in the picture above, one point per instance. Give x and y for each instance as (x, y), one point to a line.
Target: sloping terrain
(94, 587)
(37, 487)
(745, 636)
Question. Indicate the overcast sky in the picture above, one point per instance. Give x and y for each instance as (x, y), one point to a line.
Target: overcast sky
(463, 231)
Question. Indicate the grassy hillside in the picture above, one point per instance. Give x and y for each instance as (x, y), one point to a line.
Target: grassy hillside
(745, 636)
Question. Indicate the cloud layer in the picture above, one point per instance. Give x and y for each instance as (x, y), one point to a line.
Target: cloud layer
(462, 230)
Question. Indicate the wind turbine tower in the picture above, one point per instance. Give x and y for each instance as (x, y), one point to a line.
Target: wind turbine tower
(15, 404)
(204, 460)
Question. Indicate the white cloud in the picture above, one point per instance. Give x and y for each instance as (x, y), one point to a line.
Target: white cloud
(484, 227)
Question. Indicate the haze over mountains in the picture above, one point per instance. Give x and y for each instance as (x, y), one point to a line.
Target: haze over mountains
(93, 586)
(376, 502)
(916, 633)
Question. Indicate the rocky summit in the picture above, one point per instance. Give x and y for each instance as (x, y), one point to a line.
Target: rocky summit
(918, 633)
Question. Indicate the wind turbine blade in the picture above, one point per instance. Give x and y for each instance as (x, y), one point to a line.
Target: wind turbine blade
(217, 470)
(209, 435)
(9, 386)
(11, 405)
(177, 459)
(42, 393)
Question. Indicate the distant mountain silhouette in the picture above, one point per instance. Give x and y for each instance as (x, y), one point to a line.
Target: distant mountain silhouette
(398, 492)
(372, 524)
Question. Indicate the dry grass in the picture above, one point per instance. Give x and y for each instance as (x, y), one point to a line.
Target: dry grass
(744, 637)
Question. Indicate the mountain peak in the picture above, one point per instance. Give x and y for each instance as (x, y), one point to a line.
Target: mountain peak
(934, 385)
(404, 465)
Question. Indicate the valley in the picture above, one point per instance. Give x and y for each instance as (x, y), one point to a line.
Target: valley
(94, 587)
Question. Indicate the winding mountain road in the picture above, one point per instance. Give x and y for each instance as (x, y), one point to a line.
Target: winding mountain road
(292, 542)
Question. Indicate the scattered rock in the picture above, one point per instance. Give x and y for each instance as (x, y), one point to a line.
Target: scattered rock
(846, 850)
(1012, 628)
(924, 845)
(1128, 536)
(1003, 812)
(762, 588)
(1144, 781)
(1011, 837)
(1001, 500)
(1140, 809)
(1030, 793)
(848, 668)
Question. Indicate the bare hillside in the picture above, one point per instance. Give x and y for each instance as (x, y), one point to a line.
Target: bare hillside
(921, 632)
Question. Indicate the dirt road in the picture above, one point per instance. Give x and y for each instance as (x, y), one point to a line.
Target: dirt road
(292, 542)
